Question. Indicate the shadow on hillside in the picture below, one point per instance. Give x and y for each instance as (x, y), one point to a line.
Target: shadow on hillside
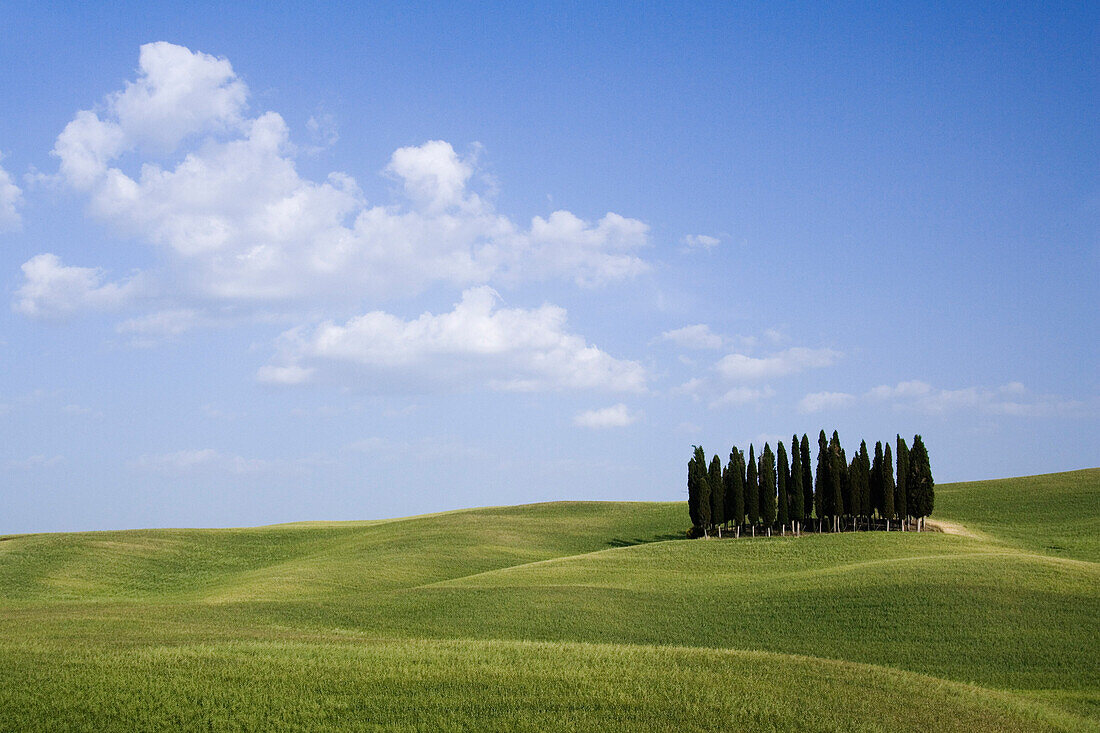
(618, 542)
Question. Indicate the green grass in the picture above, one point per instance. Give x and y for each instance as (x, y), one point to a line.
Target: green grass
(574, 615)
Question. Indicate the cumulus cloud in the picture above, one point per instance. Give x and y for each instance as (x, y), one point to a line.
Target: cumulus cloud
(476, 344)
(218, 193)
(53, 290)
(821, 401)
(698, 336)
(11, 199)
(616, 416)
(725, 384)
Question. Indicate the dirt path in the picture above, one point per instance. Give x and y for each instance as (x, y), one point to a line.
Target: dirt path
(939, 525)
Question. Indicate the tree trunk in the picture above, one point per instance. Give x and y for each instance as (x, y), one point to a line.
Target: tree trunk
(887, 525)
(719, 531)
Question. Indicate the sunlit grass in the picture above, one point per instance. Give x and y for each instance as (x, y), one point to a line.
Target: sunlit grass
(571, 615)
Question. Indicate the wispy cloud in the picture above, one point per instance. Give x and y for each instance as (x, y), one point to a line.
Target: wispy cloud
(616, 416)
(919, 396)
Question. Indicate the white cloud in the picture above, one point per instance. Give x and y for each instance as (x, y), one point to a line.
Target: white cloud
(11, 199)
(159, 324)
(434, 176)
(53, 290)
(743, 396)
(237, 222)
(36, 461)
(698, 336)
(1009, 399)
(700, 241)
(616, 416)
(207, 459)
(820, 401)
(477, 343)
(740, 367)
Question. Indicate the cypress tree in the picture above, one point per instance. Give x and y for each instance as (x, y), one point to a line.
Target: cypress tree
(752, 491)
(717, 494)
(693, 490)
(797, 504)
(864, 481)
(854, 470)
(888, 486)
(767, 488)
(877, 502)
(807, 478)
(920, 488)
(702, 491)
(735, 506)
(823, 493)
(901, 500)
(783, 476)
(838, 480)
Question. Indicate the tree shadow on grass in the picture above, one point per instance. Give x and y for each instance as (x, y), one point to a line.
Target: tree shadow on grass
(619, 542)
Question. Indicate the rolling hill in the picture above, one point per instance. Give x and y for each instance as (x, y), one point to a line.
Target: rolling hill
(579, 615)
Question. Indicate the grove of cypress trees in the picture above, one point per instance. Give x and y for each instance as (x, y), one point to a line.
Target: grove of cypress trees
(888, 486)
(717, 494)
(783, 477)
(752, 492)
(901, 499)
(767, 488)
(807, 478)
(797, 504)
(919, 487)
(823, 492)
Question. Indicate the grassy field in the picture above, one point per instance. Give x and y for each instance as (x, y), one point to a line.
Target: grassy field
(582, 616)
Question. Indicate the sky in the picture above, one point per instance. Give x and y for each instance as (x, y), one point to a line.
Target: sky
(278, 262)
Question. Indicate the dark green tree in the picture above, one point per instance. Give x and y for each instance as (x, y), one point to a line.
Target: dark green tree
(735, 494)
(717, 494)
(767, 488)
(838, 480)
(919, 486)
(752, 491)
(807, 478)
(901, 499)
(823, 492)
(854, 478)
(797, 502)
(865, 507)
(695, 491)
(783, 478)
(877, 482)
(888, 486)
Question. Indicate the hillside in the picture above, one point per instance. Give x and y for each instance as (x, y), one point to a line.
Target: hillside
(506, 617)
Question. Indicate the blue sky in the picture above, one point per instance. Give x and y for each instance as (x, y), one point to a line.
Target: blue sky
(286, 263)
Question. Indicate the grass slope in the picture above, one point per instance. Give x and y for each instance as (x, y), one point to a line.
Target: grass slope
(515, 616)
